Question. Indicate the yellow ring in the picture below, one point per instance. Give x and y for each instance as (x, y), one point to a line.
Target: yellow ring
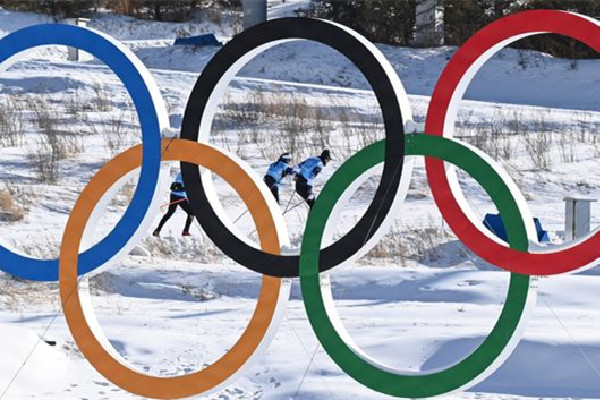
(121, 375)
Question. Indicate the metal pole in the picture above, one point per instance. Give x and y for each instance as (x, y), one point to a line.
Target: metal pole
(577, 216)
(255, 12)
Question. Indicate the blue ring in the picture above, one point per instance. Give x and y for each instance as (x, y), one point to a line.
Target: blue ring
(102, 48)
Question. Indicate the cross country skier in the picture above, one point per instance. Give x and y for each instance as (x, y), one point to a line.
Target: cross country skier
(178, 198)
(307, 170)
(276, 172)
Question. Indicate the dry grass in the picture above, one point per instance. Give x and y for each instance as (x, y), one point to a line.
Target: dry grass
(289, 122)
(198, 248)
(10, 210)
(12, 123)
(53, 143)
(118, 135)
(125, 194)
(410, 242)
(17, 295)
(102, 100)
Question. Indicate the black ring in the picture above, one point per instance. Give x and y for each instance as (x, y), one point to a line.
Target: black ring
(342, 40)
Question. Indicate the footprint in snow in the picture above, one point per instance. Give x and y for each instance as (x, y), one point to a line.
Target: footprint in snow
(274, 382)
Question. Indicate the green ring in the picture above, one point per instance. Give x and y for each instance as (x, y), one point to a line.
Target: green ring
(505, 331)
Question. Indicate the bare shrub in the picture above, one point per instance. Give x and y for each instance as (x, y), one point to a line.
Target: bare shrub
(117, 135)
(70, 144)
(125, 194)
(519, 177)
(44, 117)
(198, 248)
(76, 104)
(24, 195)
(52, 145)
(234, 114)
(495, 136)
(585, 125)
(539, 142)
(102, 100)
(464, 123)
(91, 126)
(566, 145)
(362, 133)
(509, 128)
(389, 249)
(322, 128)
(17, 295)
(265, 123)
(228, 144)
(516, 124)
(10, 210)
(281, 120)
(343, 117)
(408, 242)
(12, 123)
(285, 120)
(45, 162)
(480, 139)
(537, 145)
(596, 144)
(296, 124)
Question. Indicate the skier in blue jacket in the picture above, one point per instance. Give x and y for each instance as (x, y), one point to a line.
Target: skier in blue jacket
(178, 198)
(276, 172)
(307, 170)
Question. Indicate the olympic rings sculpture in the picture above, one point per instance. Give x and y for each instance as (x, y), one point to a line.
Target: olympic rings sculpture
(520, 256)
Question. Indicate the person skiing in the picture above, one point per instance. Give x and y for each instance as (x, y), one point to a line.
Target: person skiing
(276, 172)
(307, 170)
(178, 198)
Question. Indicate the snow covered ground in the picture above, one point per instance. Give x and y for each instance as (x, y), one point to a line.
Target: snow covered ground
(418, 301)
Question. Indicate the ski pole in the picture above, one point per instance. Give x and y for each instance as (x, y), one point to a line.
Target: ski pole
(245, 212)
(174, 202)
(241, 215)
(289, 201)
(285, 212)
(294, 206)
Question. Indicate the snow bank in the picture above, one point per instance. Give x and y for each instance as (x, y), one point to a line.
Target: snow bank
(11, 21)
(39, 369)
(129, 28)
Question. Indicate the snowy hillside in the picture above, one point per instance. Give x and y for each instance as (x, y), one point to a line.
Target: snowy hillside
(418, 301)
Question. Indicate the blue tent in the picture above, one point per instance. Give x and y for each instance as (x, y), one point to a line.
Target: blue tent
(207, 39)
(494, 223)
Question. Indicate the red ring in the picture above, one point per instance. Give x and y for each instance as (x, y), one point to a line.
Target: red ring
(499, 34)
